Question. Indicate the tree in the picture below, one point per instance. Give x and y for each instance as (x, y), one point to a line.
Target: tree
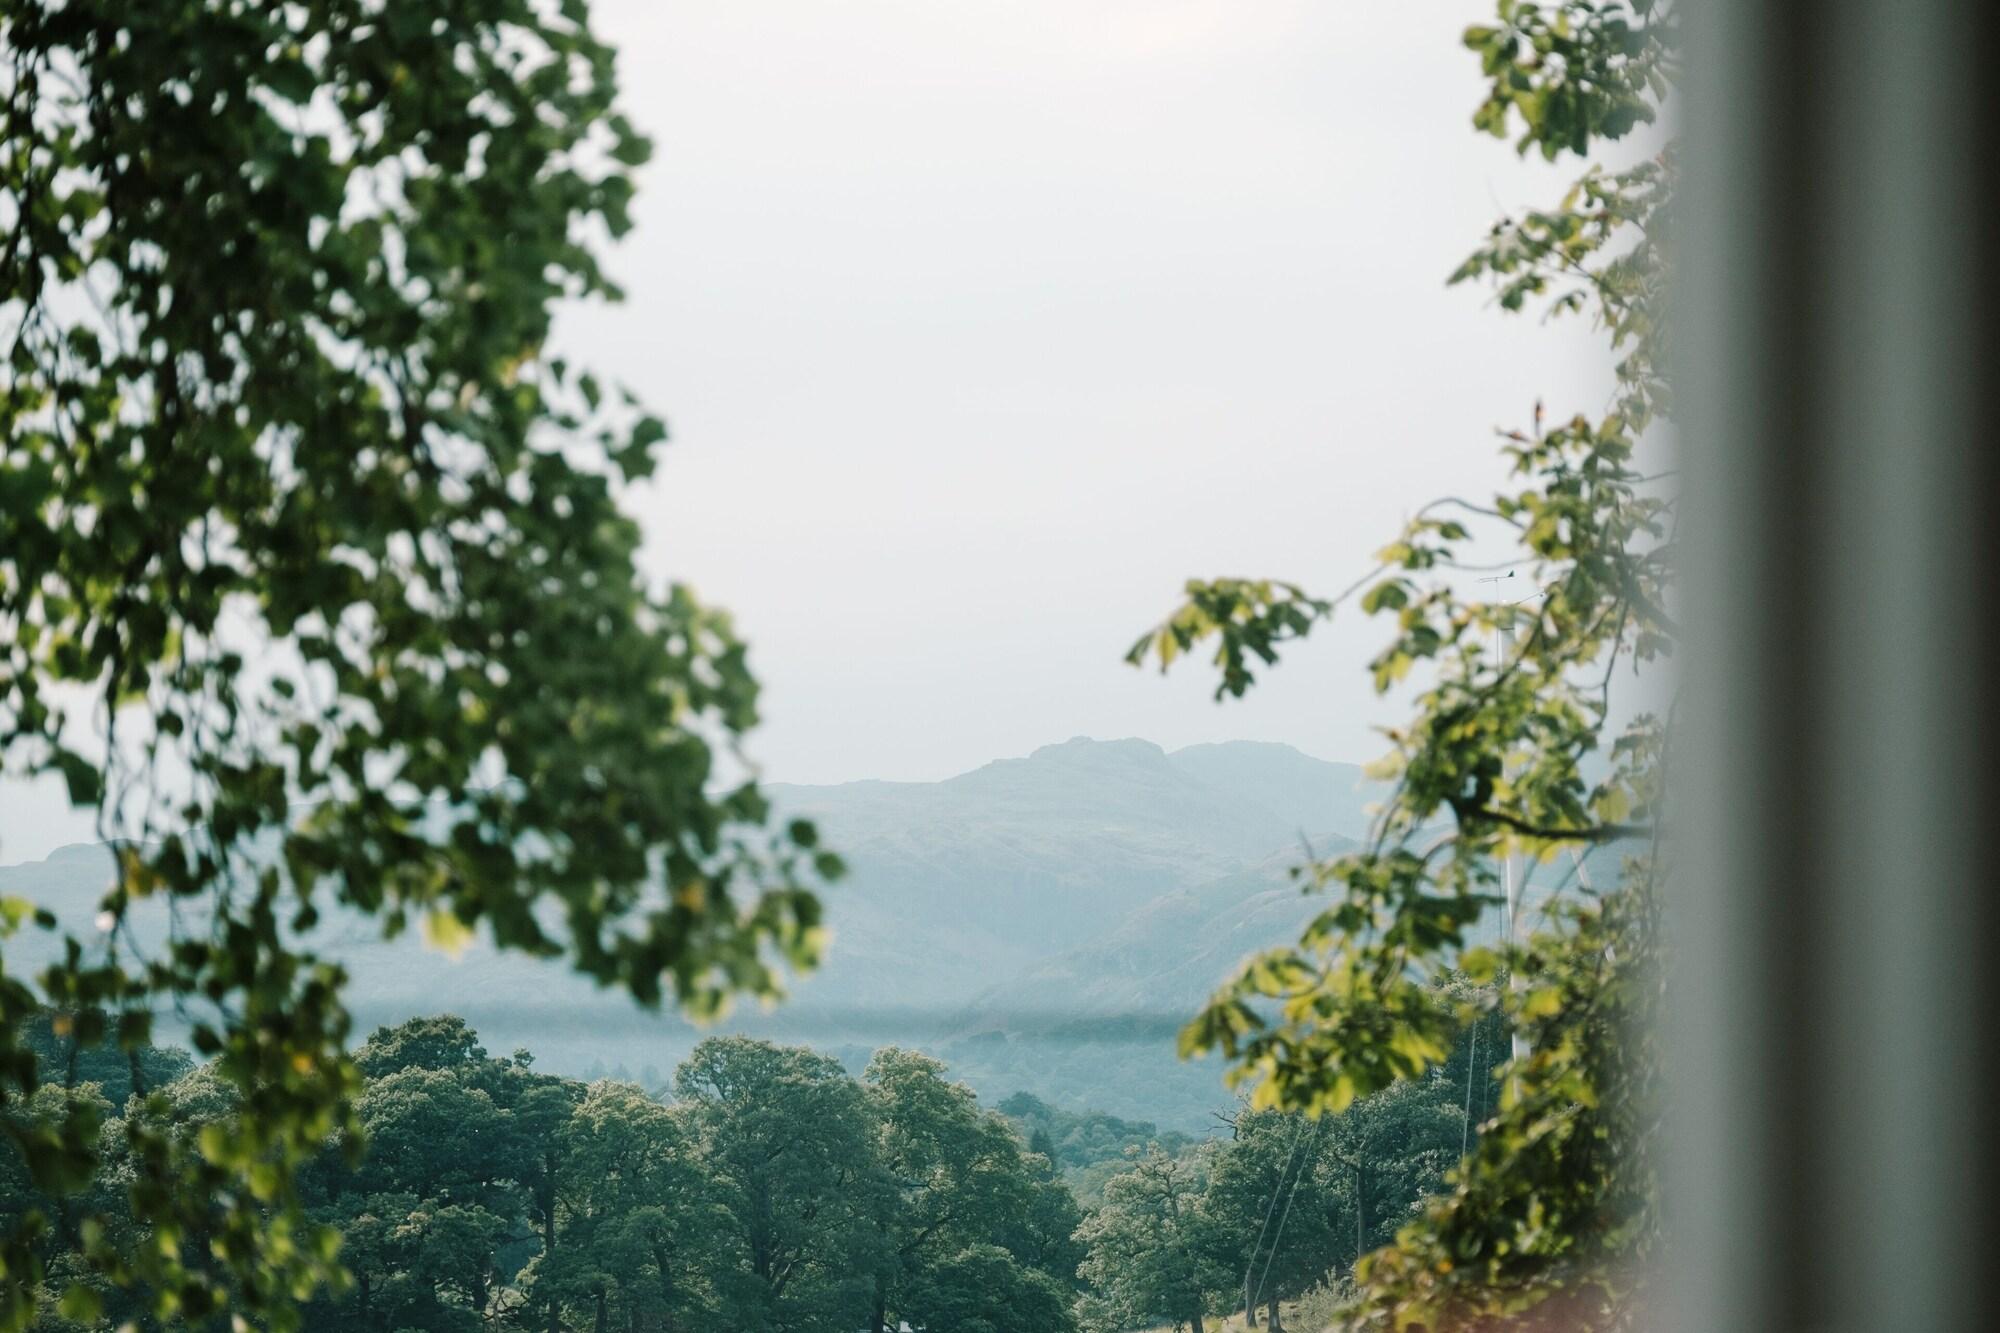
(1150, 1250)
(642, 1219)
(316, 587)
(68, 1059)
(1385, 1157)
(39, 1199)
(1556, 1212)
(1517, 755)
(960, 1191)
(428, 1214)
(1088, 1147)
(451, 1263)
(1269, 1221)
(1042, 1234)
(777, 1193)
(984, 1289)
(1292, 1200)
(434, 1132)
(541, 1107)
(790, 1139)
(375, 1245)
(443, 1042)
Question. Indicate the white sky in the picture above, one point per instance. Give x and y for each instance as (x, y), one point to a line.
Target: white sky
(981, 324)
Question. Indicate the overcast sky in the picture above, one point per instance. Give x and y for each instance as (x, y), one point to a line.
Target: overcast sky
(981, 324)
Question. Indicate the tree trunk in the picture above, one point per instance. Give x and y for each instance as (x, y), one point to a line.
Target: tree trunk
(1275, 1319)
(1194, 1317)
(1249, 1297)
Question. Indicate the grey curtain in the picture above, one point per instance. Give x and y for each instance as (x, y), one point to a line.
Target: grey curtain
(1835, 1025)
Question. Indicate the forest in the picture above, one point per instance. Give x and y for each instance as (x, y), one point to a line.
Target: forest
(767, 1187)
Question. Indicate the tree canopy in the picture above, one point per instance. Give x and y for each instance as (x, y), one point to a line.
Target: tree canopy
(772, 1191)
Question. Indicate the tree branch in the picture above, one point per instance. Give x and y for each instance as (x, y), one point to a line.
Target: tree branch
(1596, 833)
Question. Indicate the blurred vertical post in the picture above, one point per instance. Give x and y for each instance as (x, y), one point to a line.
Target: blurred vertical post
(1513, 868)
(1832, 1057)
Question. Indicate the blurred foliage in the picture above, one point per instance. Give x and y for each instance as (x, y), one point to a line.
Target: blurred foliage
(1509, 754)
(314, 584)
(1552, 1219)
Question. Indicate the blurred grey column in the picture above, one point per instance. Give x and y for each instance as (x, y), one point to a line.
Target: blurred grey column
(1834, 1027)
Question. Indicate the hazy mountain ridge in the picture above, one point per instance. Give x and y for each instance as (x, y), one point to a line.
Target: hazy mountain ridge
(1116, 822)
(1046, 922)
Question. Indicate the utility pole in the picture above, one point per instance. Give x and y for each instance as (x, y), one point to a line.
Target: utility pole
(1471, 1066)
(1511, 883)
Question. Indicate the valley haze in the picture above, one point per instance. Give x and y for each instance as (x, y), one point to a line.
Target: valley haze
(1044, 924)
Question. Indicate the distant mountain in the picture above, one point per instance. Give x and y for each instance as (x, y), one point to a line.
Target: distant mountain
(1045, 922)
(1093, 828)
(1304, 794)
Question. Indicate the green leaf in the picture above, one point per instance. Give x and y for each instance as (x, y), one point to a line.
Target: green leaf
(81, 776)
(79, 1304)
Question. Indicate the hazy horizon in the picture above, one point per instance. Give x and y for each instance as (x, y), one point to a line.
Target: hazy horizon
(11, 855)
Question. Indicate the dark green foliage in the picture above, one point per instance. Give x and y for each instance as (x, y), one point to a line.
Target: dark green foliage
(970, 1225)
(984, 1289)
(1279, 1206)
(299, 516)
(1151, 1246)
(458, 1178)
(444, 1042)
(1089, 1147)
(789, 1138)
(645, 1243)
(1275, 1216)
(63, 1057)
(774, 1193)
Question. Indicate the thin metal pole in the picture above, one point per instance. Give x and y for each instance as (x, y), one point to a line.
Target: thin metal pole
(1511, 883)
(1471, 1068)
